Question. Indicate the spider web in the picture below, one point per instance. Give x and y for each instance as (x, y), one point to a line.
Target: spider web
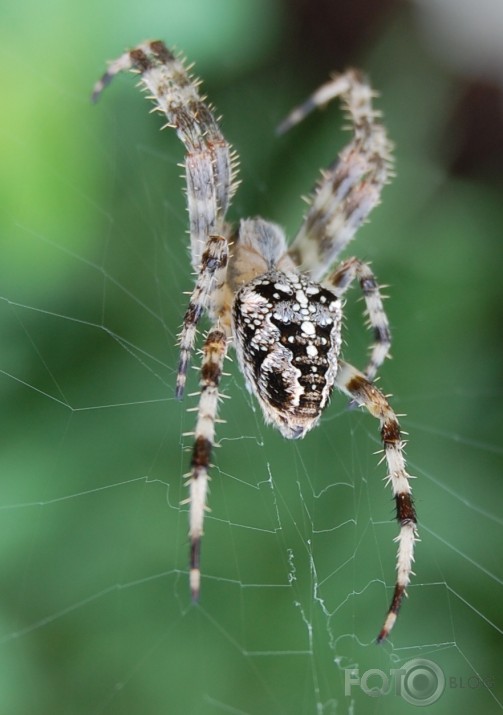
(298, 557)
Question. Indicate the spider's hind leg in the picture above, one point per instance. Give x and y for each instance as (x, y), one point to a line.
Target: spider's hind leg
(354, 384)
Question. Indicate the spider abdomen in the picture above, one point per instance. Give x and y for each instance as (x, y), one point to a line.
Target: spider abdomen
(287, 338)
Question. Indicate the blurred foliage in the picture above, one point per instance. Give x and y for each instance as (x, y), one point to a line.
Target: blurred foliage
(298, 554)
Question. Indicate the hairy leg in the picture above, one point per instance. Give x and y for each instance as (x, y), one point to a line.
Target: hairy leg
(377, 320)
(355, 385)
(350, 188)
(210, 165)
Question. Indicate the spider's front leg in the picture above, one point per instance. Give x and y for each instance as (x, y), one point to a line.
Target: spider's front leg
(358, 388)
(351, 187)
(210, 165)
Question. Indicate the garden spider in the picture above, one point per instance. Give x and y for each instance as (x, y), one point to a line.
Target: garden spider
(279, 305)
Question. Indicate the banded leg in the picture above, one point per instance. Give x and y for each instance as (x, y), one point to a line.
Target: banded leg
(214, 351)
(354, 384)
(209, 284)
(209, 164)
(339, 282)
(350, 188)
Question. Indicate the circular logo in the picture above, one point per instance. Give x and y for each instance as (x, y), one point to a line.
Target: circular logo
(422, 682)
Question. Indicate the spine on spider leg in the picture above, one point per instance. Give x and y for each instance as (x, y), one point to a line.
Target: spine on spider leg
(214, 351)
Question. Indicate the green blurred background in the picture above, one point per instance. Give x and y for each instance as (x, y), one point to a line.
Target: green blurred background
(298, 557)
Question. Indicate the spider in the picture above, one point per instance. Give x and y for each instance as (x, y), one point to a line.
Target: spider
(279, 305)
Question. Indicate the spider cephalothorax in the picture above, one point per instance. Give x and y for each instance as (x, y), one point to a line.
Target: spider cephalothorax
(280, 305)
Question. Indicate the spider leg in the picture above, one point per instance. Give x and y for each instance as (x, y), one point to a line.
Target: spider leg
(339, 282)
(214, 351)
(354, 384)
(209, 284)
(210, 164)
(350, 188)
